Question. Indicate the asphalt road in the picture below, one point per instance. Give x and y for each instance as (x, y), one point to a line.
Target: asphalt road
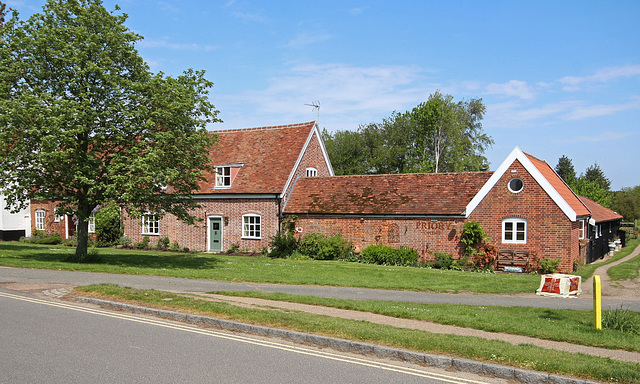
(45, 341)
(38, 276)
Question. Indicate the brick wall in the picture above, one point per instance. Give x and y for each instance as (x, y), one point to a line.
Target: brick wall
(51, 226)
(231, 211)
(550, 233)
(312, 157)
(195, 237)
(424, 235)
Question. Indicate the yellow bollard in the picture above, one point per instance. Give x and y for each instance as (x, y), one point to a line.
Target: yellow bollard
(597, 302)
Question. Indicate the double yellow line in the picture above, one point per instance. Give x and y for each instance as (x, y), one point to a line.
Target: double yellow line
(245, 339)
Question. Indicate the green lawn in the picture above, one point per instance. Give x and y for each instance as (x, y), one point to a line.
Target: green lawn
(620, 272)
(628, 269)
(561, 325)
(566, 325)
(522, 356)
(266, 270)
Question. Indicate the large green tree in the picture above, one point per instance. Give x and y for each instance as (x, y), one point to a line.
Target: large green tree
(83, 121)
(439, 135)
(449, 135)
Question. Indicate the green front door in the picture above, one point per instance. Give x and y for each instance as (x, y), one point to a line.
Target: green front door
(215, 234)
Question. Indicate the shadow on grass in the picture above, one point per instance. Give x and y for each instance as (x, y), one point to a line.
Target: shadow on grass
(550, 314)
(109, 256)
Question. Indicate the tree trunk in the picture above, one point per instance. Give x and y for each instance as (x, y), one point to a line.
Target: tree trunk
(83, 238)
(82, 213)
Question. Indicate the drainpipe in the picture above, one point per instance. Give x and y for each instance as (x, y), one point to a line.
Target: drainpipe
(279, 200)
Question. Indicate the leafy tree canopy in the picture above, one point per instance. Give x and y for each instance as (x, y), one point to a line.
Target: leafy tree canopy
(595, 174)
(83, 121)
(627, 203)
(593, 191)
(565, 170)
(439, 135)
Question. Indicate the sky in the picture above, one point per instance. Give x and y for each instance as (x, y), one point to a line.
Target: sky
(558, 78)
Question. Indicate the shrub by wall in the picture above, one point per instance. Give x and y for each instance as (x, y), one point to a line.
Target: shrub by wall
(385, 255)
(319, 247)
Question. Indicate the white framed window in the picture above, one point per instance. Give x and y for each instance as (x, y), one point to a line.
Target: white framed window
(581, 230)
(92, 222)
(40, 226)
(150, 224)
(514, 230)
(223, 177)
(251, 227)
(312, 172)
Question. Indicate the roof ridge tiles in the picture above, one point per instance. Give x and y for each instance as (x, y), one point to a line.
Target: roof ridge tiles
(264, 128)
(411, 174)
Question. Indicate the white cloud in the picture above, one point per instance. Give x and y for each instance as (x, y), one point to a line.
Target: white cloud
(348, 95)
(515, 88)
(357, 11)
(572, 83)
(517, 115)
(589, 111)
(601, 137)
(306, 38)
(254, 17)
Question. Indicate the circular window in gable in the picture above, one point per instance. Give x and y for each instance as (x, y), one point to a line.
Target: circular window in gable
(516, 185)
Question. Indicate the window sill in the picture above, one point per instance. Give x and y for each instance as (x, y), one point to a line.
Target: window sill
(150, 234)
(251, 238)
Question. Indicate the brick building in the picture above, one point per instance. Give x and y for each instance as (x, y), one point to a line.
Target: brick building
(523, 206)
(242, 202)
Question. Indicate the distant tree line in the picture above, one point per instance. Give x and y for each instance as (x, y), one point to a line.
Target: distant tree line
(594, 185)
(439, 135)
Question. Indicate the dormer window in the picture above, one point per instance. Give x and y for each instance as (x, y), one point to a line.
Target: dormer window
(312, 172)
(223, 177)
(225, 174)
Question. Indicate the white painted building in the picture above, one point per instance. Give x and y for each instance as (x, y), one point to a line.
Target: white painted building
(14, 225)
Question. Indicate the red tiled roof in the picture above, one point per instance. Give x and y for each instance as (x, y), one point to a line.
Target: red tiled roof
(559, 185)
(600, 213)
(268, 154)
(399, 194)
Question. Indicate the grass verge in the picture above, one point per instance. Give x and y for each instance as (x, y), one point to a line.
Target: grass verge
(586, 271)
(566, 325)
(266, 270)
(628, 269)
(522, 356)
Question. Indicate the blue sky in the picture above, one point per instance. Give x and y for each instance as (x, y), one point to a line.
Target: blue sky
(557, 77)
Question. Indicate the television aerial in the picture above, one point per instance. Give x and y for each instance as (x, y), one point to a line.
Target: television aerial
(316, 107)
